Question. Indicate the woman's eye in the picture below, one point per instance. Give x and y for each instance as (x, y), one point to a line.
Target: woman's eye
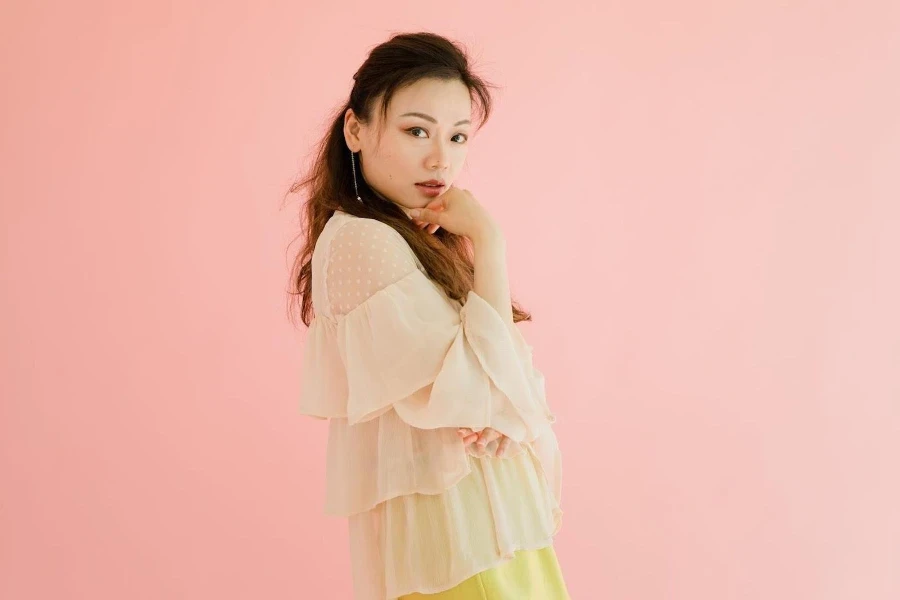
(414, 129)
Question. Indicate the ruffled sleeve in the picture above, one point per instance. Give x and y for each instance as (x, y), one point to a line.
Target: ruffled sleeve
(397, 367)
(404, 346)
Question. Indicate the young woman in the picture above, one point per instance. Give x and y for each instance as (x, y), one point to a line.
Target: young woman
(440, 449)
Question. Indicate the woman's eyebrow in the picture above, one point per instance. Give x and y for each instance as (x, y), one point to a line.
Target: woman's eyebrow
(432, 119)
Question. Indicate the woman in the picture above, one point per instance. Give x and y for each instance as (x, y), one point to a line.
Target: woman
(440, 450)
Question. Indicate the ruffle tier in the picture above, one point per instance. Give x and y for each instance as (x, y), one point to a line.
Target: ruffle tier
(429, 543)
(408, 349)
(397, 376)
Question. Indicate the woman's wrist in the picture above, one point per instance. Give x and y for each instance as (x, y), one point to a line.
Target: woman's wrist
(489, 234)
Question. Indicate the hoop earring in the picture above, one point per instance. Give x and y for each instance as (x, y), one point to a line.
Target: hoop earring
(353, 167)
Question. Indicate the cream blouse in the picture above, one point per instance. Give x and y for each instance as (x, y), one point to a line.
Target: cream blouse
(397, 366)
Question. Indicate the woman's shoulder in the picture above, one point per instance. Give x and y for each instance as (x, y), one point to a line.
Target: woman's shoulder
(339, 224)
(342, 220)
(348, 242)
(344, 231)
(359, 257)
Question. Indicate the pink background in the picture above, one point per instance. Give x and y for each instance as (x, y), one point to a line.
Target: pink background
(703, 213)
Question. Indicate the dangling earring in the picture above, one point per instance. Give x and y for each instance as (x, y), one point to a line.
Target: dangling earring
(353, 166)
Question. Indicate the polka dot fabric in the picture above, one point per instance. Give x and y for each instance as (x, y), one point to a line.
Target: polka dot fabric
(366, 256)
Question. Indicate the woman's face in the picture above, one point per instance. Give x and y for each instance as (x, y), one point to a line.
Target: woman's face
(407, 148)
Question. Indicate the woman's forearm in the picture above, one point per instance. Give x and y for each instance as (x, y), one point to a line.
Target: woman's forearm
(491, 277)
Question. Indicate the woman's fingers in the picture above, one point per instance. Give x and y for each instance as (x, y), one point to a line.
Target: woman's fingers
(429, 222)
(468, 436)
(432, 227)
(501, 447)
(484, 437)
(427, 214)
(487, 436)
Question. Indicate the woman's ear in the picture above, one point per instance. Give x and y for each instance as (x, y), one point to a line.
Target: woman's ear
(352, 129)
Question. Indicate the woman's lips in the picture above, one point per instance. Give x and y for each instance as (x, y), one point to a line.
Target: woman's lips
(430, 190)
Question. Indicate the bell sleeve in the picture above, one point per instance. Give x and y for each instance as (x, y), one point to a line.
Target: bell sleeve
(405, 346)
(397, 367)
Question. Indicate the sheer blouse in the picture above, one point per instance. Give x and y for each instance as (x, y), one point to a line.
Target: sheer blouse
(396, 366)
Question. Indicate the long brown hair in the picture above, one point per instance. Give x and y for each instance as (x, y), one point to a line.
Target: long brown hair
(400, 61)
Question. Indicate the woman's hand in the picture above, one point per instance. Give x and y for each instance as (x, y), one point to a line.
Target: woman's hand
(432, 227)
(485, 437)
(457, 211)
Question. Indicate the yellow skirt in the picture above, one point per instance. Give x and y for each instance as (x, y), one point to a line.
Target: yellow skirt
(531, 574)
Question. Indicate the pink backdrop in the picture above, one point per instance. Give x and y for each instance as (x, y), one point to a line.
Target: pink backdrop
(703, 213)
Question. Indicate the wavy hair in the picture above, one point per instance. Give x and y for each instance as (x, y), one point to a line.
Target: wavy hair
(401, 61)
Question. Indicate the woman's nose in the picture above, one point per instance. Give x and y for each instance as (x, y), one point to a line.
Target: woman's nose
(439, 158)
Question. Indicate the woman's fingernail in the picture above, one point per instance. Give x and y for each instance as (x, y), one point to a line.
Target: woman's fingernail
(415, 212)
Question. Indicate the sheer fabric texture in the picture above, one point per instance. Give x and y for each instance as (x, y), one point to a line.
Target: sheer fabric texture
(396, 366)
